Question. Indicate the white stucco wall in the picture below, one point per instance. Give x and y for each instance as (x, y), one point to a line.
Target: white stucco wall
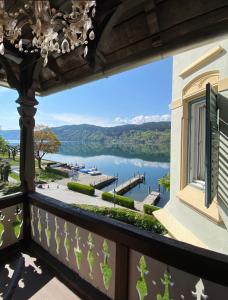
(181, 61)
(214, 236)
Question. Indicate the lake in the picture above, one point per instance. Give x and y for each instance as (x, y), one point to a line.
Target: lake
(120, 160)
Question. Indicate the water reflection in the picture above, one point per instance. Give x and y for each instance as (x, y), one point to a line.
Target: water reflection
(143, 151)
(120, 160)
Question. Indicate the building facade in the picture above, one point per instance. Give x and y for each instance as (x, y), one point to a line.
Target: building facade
(186, 216)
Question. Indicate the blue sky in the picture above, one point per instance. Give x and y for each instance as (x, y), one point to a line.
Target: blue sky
(136, 96)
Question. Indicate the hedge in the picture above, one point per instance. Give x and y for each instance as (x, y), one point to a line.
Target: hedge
(117, 199)
(58, 172)
(140, 220)
(81, 188)
(149, 209)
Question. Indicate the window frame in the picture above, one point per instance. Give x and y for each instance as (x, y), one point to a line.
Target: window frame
(200, 184)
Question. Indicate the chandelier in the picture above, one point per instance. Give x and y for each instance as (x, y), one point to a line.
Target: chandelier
(36, 27)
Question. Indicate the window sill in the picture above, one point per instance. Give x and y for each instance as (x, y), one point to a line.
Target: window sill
(194, 198)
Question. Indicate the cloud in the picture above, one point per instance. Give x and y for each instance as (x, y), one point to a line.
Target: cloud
(142, 119)
(68, 119)
(59, 119)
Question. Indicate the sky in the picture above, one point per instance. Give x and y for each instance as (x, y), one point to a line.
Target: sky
(132, 97)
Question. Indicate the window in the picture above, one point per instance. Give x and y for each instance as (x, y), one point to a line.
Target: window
(196, 147)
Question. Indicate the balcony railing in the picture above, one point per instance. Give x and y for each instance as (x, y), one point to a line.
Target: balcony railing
(100, 258)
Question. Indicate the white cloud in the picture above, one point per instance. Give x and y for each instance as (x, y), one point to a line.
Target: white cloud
(142, 119)
(59, 119)
(68, 119)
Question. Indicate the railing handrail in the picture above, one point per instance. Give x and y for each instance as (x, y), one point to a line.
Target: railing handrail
(204, 263)
(10, 200)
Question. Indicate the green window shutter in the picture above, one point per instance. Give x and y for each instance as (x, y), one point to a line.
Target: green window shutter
(212, 145)
(223, 150)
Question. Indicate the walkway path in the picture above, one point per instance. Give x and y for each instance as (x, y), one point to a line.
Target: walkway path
(98, 181)
(61, 192)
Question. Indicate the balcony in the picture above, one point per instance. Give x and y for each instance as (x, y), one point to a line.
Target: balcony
(73, 254)
(50, 250)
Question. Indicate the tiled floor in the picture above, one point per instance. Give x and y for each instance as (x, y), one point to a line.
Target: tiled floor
(36, 283)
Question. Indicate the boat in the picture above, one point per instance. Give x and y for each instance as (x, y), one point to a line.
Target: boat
(94, 173)
(88, 171)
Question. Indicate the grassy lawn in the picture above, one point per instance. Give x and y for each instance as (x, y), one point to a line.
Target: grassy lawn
(40, 174)
(15, 176)
(47, 175)
(15, 162)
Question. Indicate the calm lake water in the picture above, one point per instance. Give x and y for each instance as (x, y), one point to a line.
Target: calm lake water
(121, 160)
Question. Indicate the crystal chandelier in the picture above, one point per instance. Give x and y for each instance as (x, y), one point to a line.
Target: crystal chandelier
(50, 30)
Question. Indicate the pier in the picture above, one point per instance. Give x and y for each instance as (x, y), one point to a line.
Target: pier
(129, 184)
(151, 199)
(102, 181)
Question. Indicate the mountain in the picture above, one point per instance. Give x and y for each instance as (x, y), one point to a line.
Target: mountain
(125, 133)
(10, 134)
(154, 134)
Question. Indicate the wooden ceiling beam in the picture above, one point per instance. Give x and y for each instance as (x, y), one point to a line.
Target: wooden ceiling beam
(97, 56)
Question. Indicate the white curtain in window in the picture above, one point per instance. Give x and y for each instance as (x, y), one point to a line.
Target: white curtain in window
(201, 143)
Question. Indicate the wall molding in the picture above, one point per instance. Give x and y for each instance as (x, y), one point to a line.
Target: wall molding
(202, 61)
(221, 85)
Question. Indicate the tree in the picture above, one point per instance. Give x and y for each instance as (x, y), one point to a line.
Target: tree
(165, 182)
(3, 145)
(45, 141)
(5, 169)
(13, 150)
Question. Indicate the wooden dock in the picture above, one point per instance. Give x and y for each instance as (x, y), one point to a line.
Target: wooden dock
(129, 184)
(151, 199)
(102, 181)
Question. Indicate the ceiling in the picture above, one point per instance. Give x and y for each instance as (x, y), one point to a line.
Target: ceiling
(128, 33)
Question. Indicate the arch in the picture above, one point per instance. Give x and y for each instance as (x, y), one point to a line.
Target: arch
(198, 84)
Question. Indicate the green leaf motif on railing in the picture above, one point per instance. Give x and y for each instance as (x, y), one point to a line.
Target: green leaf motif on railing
(167, 283)
(2, 227)
(106, 270)
(90, 255)
(57, 236)
(39, 224)
(66, 241)
(47, 231)
(141, 284)
(32, 221)
(77, 250)
(17, 224)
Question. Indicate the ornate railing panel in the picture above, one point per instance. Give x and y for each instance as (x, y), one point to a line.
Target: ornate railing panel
(121, 261)
(11, 221)
(86, 253)
(151, 279)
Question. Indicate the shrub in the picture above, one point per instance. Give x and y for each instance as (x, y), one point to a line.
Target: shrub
(57, 172)
(149, 209)
(137, 219)
(11, 189)
(81, 188)
(121, 200)
(46, 175)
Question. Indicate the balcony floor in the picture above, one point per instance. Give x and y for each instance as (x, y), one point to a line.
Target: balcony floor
(37, 281)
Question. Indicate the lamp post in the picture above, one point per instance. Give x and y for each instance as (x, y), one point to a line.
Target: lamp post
(114, 198)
